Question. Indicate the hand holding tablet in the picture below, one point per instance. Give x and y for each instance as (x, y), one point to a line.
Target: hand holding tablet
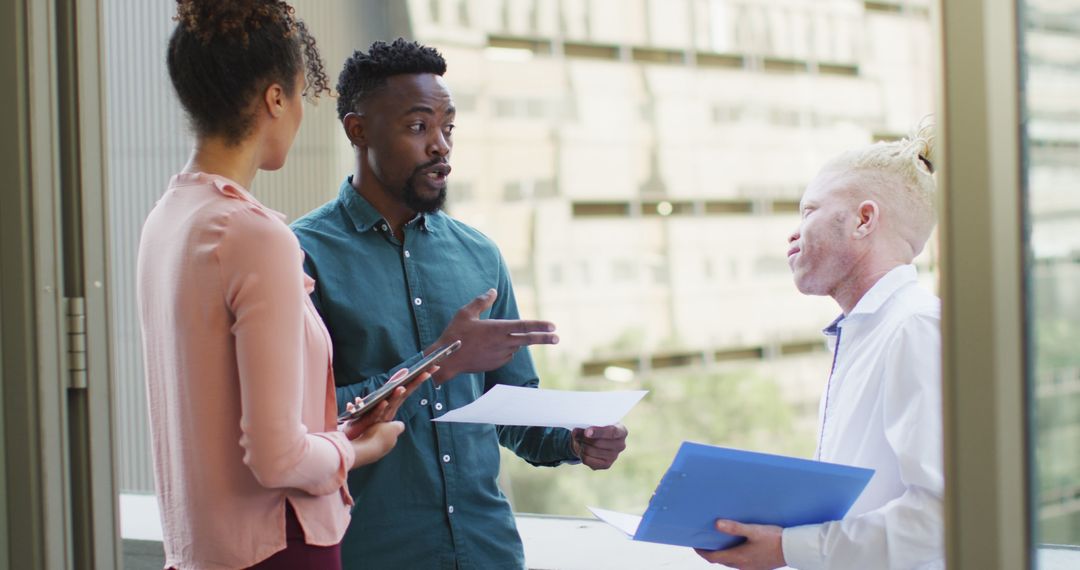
(370, 402)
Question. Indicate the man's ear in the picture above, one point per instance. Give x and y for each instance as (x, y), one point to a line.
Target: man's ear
(355, 128)
(869, 217)
(275, 100)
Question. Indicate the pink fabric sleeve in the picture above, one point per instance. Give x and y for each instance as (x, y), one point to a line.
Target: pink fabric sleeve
(260, 265)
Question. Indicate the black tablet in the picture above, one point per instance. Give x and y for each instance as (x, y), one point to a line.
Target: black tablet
(367, 403)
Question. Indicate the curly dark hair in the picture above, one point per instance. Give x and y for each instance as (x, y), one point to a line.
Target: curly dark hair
(365, 73)
(224, 53)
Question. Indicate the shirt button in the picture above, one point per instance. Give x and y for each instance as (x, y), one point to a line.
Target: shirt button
(384, 228)
(450, 509)
(423, 402)
(407, 254)
(417, 301)
(438, 405)
(446, 459)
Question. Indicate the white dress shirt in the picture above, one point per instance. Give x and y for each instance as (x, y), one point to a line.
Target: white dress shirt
(882, 410)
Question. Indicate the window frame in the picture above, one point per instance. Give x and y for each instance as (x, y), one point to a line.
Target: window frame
(985, 399)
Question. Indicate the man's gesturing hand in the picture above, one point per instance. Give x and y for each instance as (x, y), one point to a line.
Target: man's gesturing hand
(486, 344)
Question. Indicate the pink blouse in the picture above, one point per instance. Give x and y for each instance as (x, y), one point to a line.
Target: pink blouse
(239, 380)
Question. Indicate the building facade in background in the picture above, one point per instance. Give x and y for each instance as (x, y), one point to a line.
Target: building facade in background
(640, 164)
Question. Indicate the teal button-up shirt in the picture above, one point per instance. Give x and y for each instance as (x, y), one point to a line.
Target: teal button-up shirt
(433, 501)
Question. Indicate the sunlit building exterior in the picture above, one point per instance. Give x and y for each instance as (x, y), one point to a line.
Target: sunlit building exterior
(639, 162)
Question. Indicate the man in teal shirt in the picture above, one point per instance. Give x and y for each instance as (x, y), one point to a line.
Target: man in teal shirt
(397, 278)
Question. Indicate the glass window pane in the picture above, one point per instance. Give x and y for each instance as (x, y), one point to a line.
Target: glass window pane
(660, 256)
(639, 165)
(1051, 66)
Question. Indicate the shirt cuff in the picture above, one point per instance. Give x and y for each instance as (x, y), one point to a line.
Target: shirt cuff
(571, 459)
(346, 454)
(802, 547)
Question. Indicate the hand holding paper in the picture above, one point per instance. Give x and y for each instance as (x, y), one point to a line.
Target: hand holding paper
(599, 447)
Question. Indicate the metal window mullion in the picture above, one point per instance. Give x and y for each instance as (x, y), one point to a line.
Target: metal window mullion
(983, 318)
(91, 442)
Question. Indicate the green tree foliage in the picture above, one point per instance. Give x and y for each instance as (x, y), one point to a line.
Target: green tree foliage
(732, 408)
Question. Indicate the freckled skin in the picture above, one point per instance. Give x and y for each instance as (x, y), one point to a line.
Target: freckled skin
(827, 254)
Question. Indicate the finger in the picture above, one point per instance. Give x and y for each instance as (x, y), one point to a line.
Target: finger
(481, 303)
(526, 339)
(394, 404)
(398, 375)
(517, 327)
(613, 445)
(617, 431)
(416, 382)
(734, 528)
(595, 459)
(386, 432)
(598, 464)
(357, 427)
(731, 557)
(714, 556)
(422, 376)
(383, 413)
(600, 455)
(395, 428)
(352, 431)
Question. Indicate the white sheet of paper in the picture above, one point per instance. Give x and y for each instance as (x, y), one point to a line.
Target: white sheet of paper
(622, 521)
(516, 406)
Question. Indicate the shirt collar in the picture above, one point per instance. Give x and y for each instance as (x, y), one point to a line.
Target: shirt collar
(364, 216)
(890, 283)
(873, 299)
(834, 327)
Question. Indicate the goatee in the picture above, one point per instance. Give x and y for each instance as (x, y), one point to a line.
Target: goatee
(418, 203)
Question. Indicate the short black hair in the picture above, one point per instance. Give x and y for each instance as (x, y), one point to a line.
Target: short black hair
(223, 53)
(365, 73)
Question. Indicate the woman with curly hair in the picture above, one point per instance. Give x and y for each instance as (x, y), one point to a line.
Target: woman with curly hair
(249, 462)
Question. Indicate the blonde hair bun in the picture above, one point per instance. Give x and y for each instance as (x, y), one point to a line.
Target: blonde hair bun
(923, 144)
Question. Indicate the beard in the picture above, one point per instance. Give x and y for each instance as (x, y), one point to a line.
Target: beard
(414, 200)
(418, 203)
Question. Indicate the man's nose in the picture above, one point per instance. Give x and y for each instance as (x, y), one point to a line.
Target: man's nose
(793, 237)
(439, 145)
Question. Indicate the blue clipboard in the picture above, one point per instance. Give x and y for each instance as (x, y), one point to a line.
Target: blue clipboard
(705, 483)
